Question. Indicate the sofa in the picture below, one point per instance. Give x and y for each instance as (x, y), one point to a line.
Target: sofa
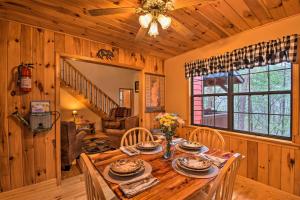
(116, 135)
(118, 122)
(71, 143)
(116, 118)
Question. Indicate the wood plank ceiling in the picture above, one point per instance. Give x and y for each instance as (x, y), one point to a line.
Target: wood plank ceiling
(199, 24)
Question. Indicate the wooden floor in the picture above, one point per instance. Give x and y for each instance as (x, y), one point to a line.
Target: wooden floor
(73, 189)
(74, 171)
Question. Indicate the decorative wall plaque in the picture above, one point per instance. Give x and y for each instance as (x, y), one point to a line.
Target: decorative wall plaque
(103, 53)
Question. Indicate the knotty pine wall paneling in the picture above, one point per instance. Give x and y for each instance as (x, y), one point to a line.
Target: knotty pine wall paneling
(27, 57)
(27, 158)
(15, 140)
(4, 138)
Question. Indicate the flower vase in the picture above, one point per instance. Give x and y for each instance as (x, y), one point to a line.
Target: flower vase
(168, 153)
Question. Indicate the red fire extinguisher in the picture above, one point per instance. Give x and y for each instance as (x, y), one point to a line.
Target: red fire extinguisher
(24, 77)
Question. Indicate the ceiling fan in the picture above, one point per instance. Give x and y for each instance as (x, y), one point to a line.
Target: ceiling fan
(151, 13)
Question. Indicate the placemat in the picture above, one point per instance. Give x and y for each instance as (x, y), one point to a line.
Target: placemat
(214, 171)
(123, 180)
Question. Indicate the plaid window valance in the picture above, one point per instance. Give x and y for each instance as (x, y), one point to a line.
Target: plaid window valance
(261, 54)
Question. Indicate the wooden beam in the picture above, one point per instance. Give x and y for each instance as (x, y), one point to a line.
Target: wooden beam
(188, 3)
(227, 11)
(260, 12)
(241, 8)
(110, 11)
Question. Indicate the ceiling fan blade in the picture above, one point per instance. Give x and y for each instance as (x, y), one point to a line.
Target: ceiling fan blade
(140, 34)
(187, 3)
(111, 11)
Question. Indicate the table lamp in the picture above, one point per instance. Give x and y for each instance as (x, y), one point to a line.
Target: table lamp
(74, 113)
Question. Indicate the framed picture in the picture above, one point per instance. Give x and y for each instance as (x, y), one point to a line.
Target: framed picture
(136, 86)
(155, 92)
(40, 106)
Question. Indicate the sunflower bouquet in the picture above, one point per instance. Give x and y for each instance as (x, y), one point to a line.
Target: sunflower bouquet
(168, 122)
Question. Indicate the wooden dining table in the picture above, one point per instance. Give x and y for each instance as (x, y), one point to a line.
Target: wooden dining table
(171, 184)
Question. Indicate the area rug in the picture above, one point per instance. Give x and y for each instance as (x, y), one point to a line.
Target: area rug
(96, 145)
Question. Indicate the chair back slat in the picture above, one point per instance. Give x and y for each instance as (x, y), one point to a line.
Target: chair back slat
(96, 187)
(136, 135)
(222, 187)
(209, 137)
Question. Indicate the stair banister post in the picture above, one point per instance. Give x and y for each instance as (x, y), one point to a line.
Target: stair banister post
(96, 96)
(75, 79)
(85, 88)
(61, 71)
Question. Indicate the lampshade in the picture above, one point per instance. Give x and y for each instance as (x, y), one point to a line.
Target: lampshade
(153, 31)
(145, 20)
(74, 112)
(164, 21)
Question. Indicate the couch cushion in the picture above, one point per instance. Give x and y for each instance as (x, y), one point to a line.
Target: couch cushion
(120, 112)
(111, 132)
(112, 124)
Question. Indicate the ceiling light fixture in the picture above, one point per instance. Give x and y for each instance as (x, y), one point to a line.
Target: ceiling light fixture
(164, 21)
(145, 20)
(153, 12)
(153, 31)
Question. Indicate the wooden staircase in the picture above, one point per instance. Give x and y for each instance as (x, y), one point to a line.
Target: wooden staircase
(81, 88)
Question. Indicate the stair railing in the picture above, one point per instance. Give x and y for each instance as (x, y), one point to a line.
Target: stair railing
(73, 78)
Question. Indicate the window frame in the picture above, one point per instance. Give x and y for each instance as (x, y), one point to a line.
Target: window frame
(230, 105)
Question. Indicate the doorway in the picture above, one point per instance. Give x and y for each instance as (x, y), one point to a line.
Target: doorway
(132, 99)
(126, 98)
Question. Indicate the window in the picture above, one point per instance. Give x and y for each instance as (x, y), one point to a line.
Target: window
(254, 101)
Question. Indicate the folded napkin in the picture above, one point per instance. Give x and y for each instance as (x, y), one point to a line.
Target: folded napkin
(130, 150)
(219, 162)
(136, 187)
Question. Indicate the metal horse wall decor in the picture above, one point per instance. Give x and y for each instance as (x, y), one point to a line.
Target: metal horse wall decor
(103, 53)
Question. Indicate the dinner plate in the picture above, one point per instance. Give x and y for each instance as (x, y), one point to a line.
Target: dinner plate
(190, 169)
(212, 172)
(154, 151)
(203, 149)
(125, 179)
(191, 145)
(195, 163)
(147, 145)
(142, 169)
(126, 166)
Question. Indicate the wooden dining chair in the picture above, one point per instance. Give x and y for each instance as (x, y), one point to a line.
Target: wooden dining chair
(96, 187)
(222, 187)
(209, 137)
(136, 135)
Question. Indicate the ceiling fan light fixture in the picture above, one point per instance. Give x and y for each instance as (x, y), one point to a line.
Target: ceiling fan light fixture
(164, 21)
(145, 20)
(153, 31)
